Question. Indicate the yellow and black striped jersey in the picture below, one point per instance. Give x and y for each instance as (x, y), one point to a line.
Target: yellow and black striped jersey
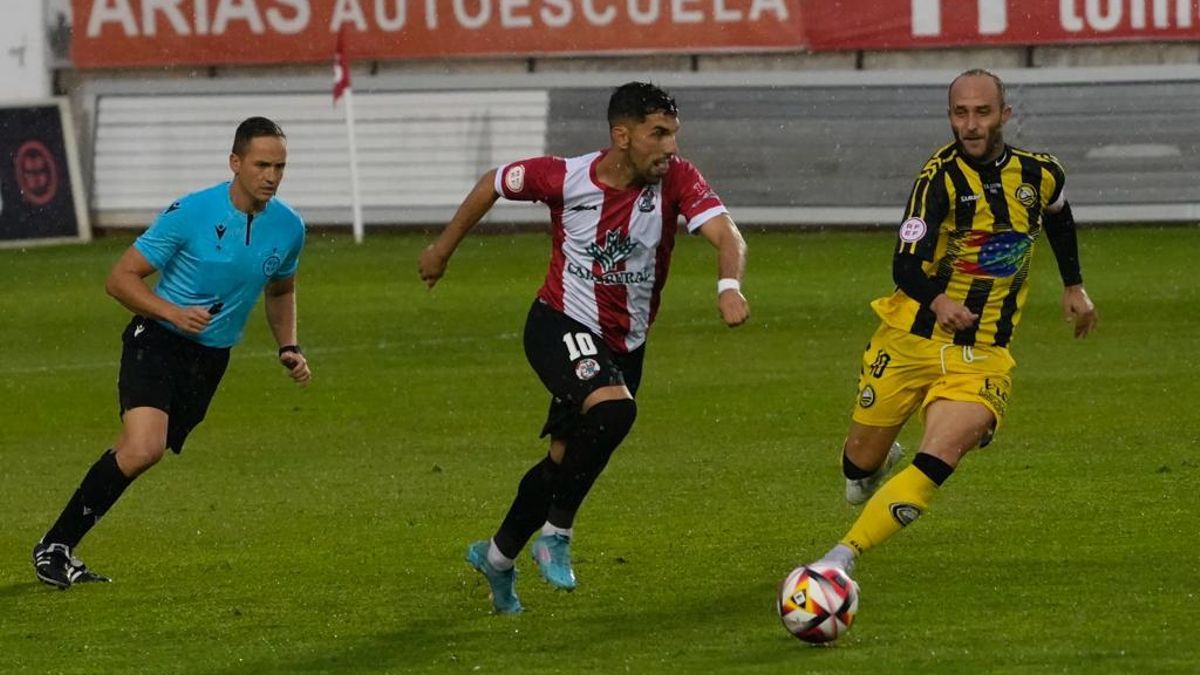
(975, 226)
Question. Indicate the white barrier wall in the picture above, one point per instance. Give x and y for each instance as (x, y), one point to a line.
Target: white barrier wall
(419, 153)
(781, 148)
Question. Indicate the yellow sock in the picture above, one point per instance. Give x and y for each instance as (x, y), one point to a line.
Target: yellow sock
(899, 502)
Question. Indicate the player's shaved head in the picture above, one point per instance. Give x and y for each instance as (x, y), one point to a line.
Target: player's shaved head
(977, 75)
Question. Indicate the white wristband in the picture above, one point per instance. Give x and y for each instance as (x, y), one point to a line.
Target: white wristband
(728, 285)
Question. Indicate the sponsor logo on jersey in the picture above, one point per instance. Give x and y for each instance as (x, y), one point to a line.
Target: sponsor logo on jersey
(1026, 194)
(1000, 254)
(514, 178)
(587, 369)
(616, 249)
(912, 230)
(610, 278)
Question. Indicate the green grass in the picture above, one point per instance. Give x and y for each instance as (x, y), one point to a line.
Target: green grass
(323, 529)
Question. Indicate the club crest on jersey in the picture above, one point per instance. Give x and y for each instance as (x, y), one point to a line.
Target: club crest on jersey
(514, 178)
(912, 230)
(646, 200)
(617, 247)
(1026, 194)
(587, 369)
(271, 265)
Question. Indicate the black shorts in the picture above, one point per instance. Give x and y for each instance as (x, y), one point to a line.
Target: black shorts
(573, 362)
(160, 369)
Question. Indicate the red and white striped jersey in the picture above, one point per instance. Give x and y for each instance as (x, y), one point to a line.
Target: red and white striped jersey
(611, 248)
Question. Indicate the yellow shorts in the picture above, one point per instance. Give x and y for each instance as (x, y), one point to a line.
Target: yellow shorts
(903, 373)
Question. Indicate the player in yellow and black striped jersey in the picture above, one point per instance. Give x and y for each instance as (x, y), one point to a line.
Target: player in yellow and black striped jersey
(961, 268)
(973, 226)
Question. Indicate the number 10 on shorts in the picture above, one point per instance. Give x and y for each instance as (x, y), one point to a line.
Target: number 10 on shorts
(579, 345)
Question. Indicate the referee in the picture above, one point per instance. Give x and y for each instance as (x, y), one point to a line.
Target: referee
(215, 250)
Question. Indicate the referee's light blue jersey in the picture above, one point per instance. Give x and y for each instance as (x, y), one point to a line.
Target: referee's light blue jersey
(208, 252)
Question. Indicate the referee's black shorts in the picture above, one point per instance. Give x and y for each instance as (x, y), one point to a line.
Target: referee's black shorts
(164, 370)
(573, 362)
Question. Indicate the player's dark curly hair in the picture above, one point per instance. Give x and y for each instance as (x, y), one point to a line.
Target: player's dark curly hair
(636, 100)
(251, 128)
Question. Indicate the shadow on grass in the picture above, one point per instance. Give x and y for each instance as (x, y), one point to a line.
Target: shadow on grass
(24, 588)
(571, 638)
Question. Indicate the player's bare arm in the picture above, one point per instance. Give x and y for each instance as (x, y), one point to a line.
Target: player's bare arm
(279, 300)
(723, 234)
(1079, 308)
(474, 207)
(126, 284)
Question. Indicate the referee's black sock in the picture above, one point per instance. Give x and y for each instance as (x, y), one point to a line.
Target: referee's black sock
(99, 490)
(528, 510)
(603, 428)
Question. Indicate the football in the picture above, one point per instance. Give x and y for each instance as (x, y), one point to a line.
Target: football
(818, 603)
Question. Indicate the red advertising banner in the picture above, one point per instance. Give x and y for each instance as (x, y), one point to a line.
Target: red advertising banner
(148, 33)
(908, 24)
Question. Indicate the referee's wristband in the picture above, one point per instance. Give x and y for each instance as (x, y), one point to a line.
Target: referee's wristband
(293, 349)
(728, 285)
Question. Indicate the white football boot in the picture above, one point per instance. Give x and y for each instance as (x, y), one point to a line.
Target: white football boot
(859, 490)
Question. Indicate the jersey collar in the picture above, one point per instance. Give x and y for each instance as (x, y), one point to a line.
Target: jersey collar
(997, 163)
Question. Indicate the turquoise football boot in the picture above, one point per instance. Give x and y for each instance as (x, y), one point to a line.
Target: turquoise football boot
(502, 583)
(552, 555)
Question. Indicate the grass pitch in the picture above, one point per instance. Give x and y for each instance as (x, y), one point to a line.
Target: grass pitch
(324, 529)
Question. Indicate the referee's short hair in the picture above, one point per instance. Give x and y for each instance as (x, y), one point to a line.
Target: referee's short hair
(251, 128)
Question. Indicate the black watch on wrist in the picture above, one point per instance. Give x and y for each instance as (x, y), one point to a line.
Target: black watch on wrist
(294, 349)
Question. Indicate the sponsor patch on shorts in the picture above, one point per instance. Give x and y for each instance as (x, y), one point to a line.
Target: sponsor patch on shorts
(587, 369)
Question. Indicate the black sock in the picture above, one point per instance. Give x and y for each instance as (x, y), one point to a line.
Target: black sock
(528, 510)
(99, 490)
(937, 470)
(852, 470)
(603, 428)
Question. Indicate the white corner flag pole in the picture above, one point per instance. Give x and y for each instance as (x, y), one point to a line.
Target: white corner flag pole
(355, 197)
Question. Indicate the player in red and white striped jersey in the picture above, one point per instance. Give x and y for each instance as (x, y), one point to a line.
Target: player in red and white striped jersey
(614, 213)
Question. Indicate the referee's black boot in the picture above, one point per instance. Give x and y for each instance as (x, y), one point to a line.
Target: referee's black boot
(80, 574)
(51, 563)
(56, 567)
